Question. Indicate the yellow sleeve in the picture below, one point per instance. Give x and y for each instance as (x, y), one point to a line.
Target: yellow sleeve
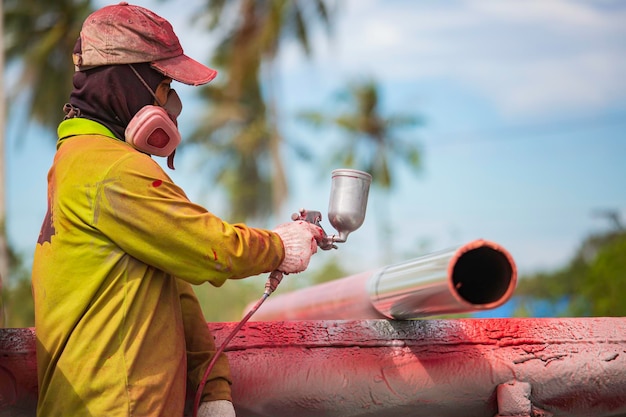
(141, 210)
(201, 349)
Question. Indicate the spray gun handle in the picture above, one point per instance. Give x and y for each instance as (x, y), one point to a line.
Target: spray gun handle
(315, 217)
(327, 243)
(272, 282)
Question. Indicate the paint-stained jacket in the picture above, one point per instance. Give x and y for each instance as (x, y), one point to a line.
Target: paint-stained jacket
(119, 329)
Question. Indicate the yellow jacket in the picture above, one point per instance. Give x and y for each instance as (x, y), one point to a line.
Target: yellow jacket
(119, 329)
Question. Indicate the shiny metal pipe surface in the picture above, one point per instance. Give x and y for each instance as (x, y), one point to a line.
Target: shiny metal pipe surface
(479, 275)
(341, 299)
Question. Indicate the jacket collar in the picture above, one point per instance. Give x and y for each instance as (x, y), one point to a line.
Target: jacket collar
(77, 126)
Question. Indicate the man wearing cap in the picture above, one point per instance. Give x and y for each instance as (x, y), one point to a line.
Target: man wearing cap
(119, 329)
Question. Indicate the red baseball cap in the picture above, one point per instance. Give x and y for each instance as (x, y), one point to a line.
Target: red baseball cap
(128, 34)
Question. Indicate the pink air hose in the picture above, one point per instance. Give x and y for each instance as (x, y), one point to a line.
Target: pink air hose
(270, 285)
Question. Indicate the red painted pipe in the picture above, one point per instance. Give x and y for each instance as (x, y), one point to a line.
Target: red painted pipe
(479, 275)
(374, 368)
(575, 367)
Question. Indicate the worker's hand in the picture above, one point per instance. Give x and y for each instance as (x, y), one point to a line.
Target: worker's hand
(218, 408)
(300, 241)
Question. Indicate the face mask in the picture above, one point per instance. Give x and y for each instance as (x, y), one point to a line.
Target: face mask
(173, 106)
(153, 129)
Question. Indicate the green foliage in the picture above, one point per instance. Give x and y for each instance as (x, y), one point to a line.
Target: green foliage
(592, 284)
(606, 285)
(233, 300)
(17, 294)
(40, 34)
(19, 305)
(229, 302)
(330, 271)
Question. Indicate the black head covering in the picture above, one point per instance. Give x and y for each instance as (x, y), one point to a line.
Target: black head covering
(113, 94)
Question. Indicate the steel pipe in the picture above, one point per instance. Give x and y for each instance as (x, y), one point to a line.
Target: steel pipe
(479, 275)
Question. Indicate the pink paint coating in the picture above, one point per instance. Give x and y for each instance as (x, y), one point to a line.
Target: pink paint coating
(572, 367)
(429, 367)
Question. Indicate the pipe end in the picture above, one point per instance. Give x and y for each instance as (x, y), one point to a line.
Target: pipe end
(483, 275)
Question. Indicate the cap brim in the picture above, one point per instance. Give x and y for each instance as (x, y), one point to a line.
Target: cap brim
(185, 70)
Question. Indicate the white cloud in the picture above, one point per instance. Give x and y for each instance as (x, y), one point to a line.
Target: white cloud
(526, 57)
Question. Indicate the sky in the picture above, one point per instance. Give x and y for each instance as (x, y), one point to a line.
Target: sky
(523, 141)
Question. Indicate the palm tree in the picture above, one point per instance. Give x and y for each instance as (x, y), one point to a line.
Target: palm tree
(242, 131)
(372, 144)
(40, 34)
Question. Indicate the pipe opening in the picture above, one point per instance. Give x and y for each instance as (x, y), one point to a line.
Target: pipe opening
(482, 275)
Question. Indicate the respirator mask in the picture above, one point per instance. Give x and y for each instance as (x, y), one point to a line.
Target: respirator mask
(153, 129)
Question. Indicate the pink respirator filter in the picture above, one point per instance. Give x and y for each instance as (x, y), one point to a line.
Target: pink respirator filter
(153, 132)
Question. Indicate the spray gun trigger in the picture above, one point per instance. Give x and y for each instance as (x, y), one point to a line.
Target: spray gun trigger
(310, 216)
(315, 217)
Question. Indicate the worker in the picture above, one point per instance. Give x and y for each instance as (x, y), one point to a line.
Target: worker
(119, 329)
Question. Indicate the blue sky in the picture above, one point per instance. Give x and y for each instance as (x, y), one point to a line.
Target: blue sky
(524, 136)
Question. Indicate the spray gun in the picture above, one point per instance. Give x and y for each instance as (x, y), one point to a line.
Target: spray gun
(346, 212)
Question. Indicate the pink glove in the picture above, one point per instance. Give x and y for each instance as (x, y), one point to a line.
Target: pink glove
(300, 241)
(219, 408)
